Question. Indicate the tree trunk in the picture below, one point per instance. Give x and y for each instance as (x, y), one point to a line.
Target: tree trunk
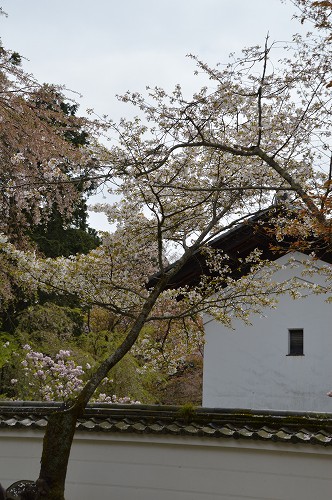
(56, 450)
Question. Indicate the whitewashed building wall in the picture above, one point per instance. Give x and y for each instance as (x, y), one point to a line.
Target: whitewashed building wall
(107, 466)
(249, 366)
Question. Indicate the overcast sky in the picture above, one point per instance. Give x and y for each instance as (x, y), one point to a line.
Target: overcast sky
(106, 47)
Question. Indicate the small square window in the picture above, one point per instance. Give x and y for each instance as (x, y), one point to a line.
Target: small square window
(295, 342)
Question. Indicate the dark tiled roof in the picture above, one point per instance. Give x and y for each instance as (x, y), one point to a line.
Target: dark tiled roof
(284, 427)
(237, 243)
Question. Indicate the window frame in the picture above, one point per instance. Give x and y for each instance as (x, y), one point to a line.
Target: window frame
(295, 342)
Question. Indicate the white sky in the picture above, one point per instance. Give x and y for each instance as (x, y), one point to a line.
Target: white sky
(107, 47)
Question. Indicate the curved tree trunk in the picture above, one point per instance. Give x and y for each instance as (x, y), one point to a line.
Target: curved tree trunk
(61, 425)
(57, 443)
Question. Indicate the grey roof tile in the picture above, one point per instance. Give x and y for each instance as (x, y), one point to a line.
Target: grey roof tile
(305, 428)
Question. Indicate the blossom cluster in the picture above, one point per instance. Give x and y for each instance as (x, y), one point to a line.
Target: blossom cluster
(51, 379)
(104, 398)
(58, 379)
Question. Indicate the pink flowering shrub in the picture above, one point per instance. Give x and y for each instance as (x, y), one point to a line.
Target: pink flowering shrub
(50, 379)
(58, 379)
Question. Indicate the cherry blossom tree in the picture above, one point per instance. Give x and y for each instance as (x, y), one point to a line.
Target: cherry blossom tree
(184, 171)
(49, 156)
(42, 159)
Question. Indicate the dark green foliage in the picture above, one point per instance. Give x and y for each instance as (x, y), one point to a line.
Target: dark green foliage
(53, 240)
(61, 237)
(49, 326)
(65, 235)
(15, 58)
(8, 346)
(77, 137)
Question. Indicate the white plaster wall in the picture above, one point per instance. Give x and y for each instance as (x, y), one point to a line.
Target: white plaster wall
(132, 467)
(248, 367)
